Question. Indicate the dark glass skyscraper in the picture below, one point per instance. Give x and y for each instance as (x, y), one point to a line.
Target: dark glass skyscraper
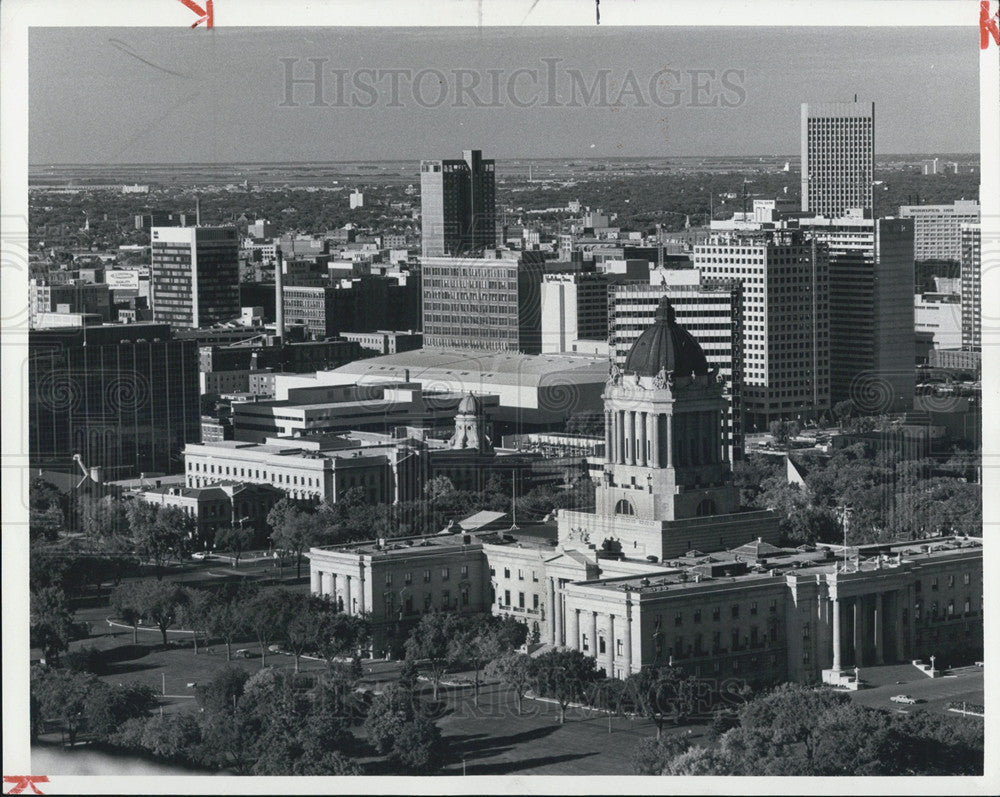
(458, 205)
(124, 397)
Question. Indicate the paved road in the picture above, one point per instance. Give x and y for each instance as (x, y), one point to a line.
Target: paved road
(961, 684)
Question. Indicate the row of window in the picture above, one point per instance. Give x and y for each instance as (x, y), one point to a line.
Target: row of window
(445, 575)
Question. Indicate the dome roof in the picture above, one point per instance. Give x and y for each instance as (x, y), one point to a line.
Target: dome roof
(666, 346)
(469, 405)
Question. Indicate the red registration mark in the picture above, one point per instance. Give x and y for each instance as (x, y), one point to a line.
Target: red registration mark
(22, 782)
(206, 14)
(988, 26)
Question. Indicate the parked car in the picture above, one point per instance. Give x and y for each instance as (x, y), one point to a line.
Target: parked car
(903, 699)
(243, 653)
(203, 555)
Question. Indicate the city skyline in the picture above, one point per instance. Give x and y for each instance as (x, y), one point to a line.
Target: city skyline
(734, 92)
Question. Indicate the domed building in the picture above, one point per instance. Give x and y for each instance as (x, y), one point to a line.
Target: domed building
(667, 485)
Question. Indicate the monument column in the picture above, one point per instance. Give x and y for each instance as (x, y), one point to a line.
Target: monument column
(836, 635)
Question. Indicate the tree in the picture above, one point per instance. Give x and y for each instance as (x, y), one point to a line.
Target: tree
(234, 539)
(294, 530)
(126, 600)
(51, 622)
(431, 640)
(107, 707)
(482, 640)
(660, 693)
(221, 694)
(337, 633)
(563, 675)
(160, 602)
(418, 747)
(652, 755)
(513, 670)
(260, 618)
(194, 612)
(389, 712)
(62, 696)
(438, 487)
(102, 519)
(843, 411)
(157, 532)
(298, 617)
(225, 617)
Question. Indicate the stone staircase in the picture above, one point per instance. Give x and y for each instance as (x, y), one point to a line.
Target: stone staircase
(927, 669)
(842, 679)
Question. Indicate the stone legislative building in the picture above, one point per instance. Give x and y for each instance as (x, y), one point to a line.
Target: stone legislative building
(669, 569)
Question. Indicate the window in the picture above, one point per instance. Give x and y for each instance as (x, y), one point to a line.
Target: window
(678, 619)
(601, 645)
(465, 571)
(534, 601)
(584, 645)
(427, 576)
(773, 608)
(444, 573)
(520, 600)
(388, 579)
(506, 597)
(618, 647)
(966, 578)
(445, 599)
(736, 610)
(408, 578)
(427, 602)
(534, 576)
(697, 615)
(753, 607)
(506, 572)
(465, 596)
(716, 613)
(409, 604)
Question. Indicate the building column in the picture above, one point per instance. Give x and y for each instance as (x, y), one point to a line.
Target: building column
(593, 635)
(899, 600)
(837, 664)
(857, 638)
(628, 639)
(879, 606)
(347, 595)
(316, 582)
(642, 439)
(361, 590)
(668, 441)
(326, 584)
(607, 436)
(620, 435)
(573, 631)
(611, 646)
(551, 608)
(557, 614)
(654, 438)
(629, 437)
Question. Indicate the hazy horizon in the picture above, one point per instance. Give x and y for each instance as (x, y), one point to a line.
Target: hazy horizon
(127, 96)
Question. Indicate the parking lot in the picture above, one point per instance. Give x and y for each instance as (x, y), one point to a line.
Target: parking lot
(934, 694)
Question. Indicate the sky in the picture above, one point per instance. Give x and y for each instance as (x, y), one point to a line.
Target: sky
(174, 95)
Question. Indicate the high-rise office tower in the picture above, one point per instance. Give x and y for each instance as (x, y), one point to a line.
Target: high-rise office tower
(972, 318)
(838, 157)
(786, 319)
(195, 275)
(872, 347)
(457, 205)
(488, 302)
